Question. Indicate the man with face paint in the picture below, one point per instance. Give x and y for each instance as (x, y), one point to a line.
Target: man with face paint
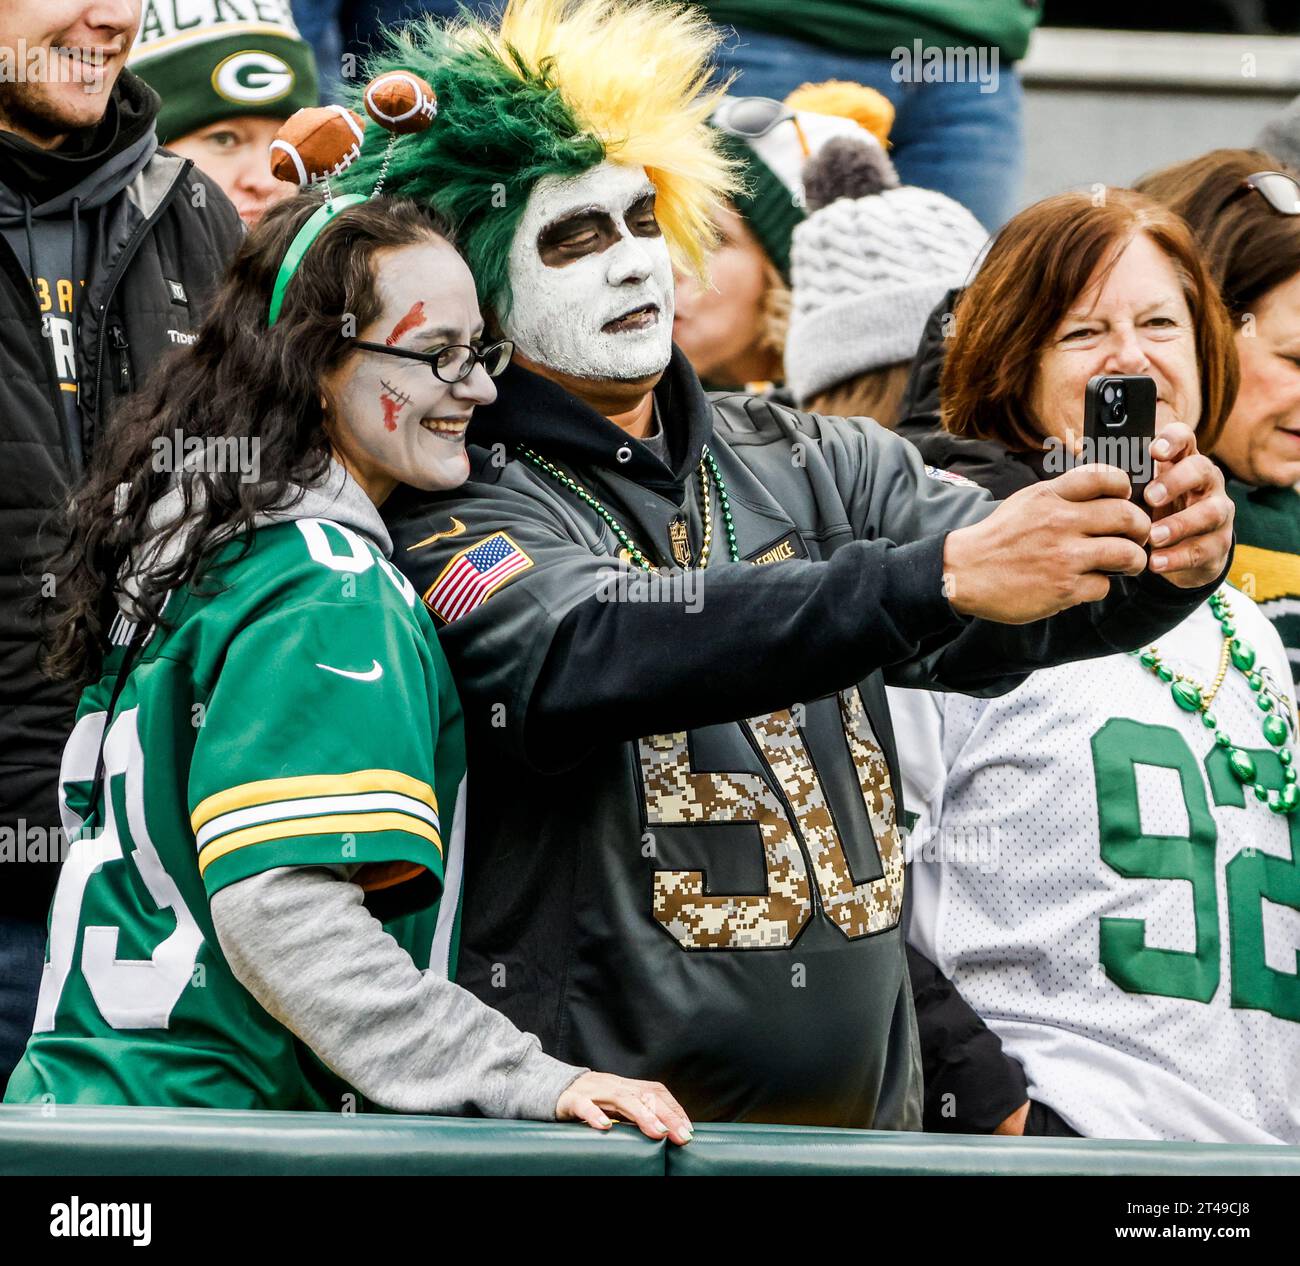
(610, 317)
(671, 616)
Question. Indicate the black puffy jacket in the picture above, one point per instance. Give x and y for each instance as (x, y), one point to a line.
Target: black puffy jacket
(165, 242)
(985, 462)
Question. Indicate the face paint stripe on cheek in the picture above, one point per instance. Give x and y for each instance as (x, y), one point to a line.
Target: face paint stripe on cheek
(413, 318)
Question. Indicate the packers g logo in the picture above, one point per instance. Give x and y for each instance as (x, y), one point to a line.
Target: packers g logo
(252, 78)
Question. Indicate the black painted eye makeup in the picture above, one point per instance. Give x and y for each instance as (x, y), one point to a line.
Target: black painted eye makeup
(575, 236)
(640, 217)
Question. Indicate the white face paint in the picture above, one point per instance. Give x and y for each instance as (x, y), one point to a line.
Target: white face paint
(393, 421)
(591, 277)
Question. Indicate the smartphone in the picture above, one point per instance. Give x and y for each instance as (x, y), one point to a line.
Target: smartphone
(1119, 423)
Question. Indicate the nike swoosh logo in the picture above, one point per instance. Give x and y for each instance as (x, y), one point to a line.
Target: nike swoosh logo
(374, 673)
(457, 527)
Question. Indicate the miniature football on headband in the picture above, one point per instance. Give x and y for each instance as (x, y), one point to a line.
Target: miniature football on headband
(401, 102)
(315, 144)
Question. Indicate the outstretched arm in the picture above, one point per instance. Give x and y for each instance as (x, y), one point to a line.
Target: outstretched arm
(1057, 571)
(550, 665)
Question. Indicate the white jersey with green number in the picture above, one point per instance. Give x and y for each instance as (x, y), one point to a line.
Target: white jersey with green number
(1115, 904)
(297, 711)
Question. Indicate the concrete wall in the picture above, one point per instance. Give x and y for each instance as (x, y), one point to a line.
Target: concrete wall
(1109, 106)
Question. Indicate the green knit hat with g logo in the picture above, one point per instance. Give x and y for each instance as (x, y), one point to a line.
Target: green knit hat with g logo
(213, 59)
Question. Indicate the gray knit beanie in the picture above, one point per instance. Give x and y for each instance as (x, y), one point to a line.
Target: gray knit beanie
(1281, 136)
(867, 271)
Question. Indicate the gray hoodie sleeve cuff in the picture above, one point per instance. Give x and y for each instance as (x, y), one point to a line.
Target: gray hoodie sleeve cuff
(537, 1083)
(302, 943)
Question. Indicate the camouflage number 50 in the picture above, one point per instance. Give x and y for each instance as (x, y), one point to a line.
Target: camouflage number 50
(677, 795)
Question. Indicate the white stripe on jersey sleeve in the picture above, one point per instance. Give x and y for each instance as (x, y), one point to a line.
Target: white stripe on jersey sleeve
(314, 806)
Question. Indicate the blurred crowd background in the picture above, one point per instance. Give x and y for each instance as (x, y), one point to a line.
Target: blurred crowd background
(1102, 99)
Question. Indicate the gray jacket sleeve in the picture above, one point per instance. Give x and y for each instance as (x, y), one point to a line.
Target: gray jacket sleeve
(550, 651)
(299, 939)
(889, 493)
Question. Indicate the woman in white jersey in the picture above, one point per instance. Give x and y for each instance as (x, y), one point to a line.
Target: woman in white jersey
(1103, 861)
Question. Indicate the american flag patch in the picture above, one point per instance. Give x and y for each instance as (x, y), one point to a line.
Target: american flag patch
(473, 574)
(950, 477)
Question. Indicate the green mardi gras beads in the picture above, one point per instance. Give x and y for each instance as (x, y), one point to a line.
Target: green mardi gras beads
(708, 469)
(1190, 697)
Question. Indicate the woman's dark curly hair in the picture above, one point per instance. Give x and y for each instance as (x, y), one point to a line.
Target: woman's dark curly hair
(239, 380)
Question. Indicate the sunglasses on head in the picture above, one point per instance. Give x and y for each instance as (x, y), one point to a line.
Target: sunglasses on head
(753, 117)
(1277, 188)
(455, 362)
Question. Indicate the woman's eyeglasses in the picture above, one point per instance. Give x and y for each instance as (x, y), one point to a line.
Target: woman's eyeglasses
(1279, 190)
(752, 117)
(455, 362)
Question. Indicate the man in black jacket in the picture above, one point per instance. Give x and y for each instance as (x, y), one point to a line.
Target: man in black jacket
(109, 248)
(671, 616)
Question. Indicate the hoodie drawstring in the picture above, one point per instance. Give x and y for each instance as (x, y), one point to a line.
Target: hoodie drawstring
(72, 281)
(31, 249)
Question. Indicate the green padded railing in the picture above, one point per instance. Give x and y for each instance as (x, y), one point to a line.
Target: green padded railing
(90, 1141)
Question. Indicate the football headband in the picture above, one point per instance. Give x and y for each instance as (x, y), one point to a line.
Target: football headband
(323, 141)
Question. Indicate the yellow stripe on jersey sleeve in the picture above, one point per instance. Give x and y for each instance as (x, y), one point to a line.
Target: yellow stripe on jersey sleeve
(331, 824)
(1265, 574)
(269, 790)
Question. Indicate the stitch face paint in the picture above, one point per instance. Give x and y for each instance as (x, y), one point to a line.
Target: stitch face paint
(409, 322)
(392, 401)
(591, 277)
(390, 420)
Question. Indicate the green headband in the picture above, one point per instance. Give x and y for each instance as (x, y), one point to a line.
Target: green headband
(300, 245)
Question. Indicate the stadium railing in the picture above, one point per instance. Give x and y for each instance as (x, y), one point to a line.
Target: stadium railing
(99, 1141)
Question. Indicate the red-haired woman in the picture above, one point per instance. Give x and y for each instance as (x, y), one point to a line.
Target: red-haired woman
(1101, 853)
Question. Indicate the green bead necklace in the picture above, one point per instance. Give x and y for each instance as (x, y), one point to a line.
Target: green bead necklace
(1191, 696)
(708, 471)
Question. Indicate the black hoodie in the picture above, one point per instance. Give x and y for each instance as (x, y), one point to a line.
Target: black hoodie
(52, 203)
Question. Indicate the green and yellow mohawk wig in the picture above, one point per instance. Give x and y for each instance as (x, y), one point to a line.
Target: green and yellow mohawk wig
(558, 87)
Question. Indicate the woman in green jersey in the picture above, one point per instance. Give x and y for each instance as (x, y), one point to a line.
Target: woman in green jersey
(268, 757)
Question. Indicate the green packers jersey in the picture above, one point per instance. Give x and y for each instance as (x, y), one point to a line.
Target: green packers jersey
(295, 710)
(1266, 564)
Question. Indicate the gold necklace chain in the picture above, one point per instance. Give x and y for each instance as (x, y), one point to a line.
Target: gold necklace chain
(1222, 673)
(706, 513)
(1207, 696)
